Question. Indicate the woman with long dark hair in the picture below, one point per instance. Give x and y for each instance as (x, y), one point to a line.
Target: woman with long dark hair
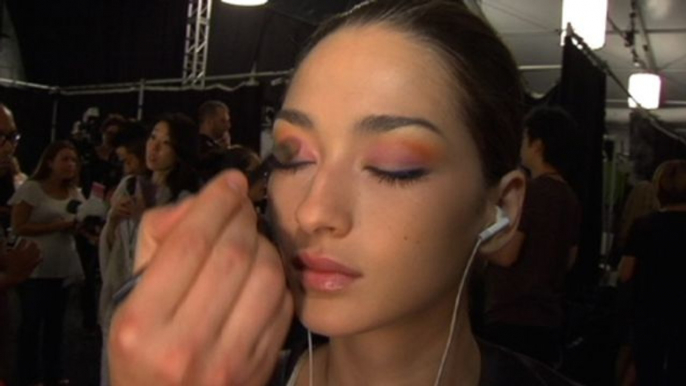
(171, 153)
(41, 213)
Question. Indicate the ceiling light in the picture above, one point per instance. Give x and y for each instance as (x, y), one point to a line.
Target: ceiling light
(588, 19)
(645, 88)
(245, 3)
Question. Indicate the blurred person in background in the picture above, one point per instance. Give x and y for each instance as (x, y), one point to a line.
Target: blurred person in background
(16, 262)
(118, 237)
(40, 214)
(524, 288)
(214, 122)
(171, 153)
(654, 260)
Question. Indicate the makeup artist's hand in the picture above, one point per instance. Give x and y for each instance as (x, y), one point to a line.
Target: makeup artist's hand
(212, 306)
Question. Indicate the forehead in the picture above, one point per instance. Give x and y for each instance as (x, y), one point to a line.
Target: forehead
(161, 128)
(377, 66)
(6, 120)
(66, 152)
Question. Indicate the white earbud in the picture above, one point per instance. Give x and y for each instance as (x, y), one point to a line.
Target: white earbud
(501, 222)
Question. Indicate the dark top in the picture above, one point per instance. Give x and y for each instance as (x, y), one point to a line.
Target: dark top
(529, 292)
(95, 169)
(658, 241)
(207, 144)
(499, 367)
(6, 191)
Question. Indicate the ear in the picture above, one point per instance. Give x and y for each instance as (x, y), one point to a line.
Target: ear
(509, 196)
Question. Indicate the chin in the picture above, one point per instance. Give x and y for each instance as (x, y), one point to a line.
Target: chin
(332, 319)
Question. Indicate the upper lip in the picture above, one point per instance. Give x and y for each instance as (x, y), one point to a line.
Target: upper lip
(322, 263)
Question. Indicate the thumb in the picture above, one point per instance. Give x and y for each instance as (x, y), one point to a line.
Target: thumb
(155, 225)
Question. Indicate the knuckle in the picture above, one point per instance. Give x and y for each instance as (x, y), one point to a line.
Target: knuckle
(234, 255)
(216, 375)
(172, 365)
(126, 333)
(148, 219)
(192, 243)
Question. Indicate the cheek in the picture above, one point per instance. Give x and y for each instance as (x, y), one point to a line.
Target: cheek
(168, 156)
(283, 206)
(427, 242)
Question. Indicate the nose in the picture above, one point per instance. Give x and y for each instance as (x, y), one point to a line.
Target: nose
(327, 206)
(7, 148)
(153, 146)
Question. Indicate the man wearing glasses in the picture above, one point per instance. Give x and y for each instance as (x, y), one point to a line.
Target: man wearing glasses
(16, 264)
(9, 136)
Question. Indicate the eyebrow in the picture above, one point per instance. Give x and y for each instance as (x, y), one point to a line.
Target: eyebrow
(384, 123)
(295, 117)
(372, 123)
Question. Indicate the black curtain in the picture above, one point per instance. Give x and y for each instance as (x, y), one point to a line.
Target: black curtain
(650, 146)
(582, 93)
(91, 42)
(241, 37)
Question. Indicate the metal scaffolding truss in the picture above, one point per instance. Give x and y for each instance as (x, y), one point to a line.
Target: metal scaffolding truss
(197, 42)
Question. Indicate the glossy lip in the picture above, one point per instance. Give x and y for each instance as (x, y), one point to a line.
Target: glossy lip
(323, 274)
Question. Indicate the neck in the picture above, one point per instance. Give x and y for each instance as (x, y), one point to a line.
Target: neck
(543, 168)
(207, 131)
(408, 353)
(55, 184)
(159, 178)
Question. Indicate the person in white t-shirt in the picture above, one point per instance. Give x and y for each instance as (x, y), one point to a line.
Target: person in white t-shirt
(42, 212)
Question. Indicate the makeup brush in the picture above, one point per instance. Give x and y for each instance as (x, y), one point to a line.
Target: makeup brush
(283, 153)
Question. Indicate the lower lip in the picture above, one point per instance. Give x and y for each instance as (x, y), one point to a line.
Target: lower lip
(326, 281)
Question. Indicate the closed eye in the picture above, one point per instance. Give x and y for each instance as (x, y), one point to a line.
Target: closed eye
(399, 178)
(291, 167)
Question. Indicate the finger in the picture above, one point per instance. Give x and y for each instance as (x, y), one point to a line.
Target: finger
(256, 367)
(155, 225)
(260, 301)
(221, 278)
(184, 250)
(225, 367)
(122, 212)
(270, 345)
(22, 244)
(31, 250)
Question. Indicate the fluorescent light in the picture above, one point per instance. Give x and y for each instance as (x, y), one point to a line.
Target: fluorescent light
(245, 3)
(645, 88)
(588, 19)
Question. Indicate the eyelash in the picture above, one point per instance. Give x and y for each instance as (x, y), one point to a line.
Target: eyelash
(401, 178)
(290, 167)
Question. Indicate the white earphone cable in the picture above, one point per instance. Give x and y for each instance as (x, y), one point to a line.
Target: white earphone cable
(310, 358)
(456, 308)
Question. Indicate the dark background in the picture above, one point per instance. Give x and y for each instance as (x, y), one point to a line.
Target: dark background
(80, 42)
(87, 42)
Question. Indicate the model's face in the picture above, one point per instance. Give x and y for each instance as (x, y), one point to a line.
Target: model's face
(65, 164)
(379, 210)
(159, 154)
